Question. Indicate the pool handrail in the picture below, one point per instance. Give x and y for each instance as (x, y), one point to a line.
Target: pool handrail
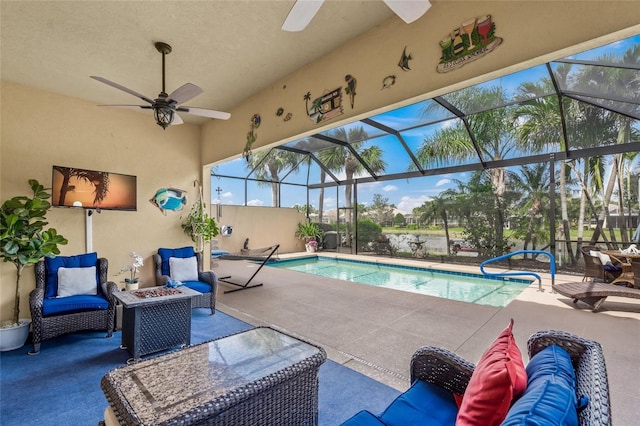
(552, 266)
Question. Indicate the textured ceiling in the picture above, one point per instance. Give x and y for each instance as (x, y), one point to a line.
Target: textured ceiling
(231, 49)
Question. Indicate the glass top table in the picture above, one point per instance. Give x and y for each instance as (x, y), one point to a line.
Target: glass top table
(222, 377)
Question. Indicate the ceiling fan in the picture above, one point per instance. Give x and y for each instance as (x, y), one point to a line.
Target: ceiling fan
(303, 12)
(165, 107)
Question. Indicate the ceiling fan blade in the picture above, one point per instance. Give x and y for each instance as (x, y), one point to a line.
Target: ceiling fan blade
(185, 93)
(205, 112)
(120, 87)
(176, 120)
(301, 14)
(128, 106)
(408, 10)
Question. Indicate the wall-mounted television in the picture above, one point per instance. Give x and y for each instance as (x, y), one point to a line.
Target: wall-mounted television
(92, 189)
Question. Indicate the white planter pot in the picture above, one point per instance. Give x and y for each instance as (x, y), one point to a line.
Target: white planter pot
(132, 286)
(14, 337)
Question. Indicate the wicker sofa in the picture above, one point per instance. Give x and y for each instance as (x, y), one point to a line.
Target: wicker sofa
(448, 371)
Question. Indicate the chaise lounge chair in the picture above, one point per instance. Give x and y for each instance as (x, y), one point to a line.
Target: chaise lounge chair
(261, 255)
(594, 293)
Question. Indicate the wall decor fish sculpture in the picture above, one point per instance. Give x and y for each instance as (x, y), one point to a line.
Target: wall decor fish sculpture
(171, 199)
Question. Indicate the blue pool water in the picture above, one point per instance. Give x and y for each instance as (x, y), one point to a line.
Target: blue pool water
(473, 288)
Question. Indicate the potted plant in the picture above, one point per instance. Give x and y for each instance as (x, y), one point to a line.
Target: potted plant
(309, 232)
(198, 225)
(24, 242)
(133, 281)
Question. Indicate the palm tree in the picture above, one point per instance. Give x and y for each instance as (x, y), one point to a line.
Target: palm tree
(533, 183)
(99, 180)
(437, 207)
(267, 166)
(494, 132)
(342, 158)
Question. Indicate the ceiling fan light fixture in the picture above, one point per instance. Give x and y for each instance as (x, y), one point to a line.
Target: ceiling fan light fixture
(164, 116)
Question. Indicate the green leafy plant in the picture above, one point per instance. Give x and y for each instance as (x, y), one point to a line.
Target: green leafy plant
(309, 231)
(198, 225)
(24, 238)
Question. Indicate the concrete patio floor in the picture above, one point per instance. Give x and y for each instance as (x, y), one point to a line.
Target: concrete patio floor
(375, 331)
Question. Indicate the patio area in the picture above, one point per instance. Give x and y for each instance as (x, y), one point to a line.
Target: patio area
(375, 331)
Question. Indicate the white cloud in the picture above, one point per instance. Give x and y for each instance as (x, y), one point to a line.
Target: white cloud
(407, 203)
(443, 182)
(329, 202)
(227, 195)
(255, 203)
(388, 188)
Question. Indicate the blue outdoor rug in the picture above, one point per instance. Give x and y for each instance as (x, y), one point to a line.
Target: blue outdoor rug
(61, 385)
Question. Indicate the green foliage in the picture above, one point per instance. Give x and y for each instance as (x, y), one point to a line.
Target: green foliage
(399, 219)
(309, 231)
(198, 225)
(368, 232)
(24, 238)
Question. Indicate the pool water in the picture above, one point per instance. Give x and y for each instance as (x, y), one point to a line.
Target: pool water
(472, 288)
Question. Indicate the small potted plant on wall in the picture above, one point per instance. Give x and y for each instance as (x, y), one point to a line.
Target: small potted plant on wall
(198, 225)
(310, 233)
(24, 242)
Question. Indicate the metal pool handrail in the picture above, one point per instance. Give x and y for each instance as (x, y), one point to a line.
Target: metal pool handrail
(552, 266)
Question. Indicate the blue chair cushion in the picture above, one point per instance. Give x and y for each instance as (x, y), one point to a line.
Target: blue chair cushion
(166, 253)
(200, 286)
(424, 403)
(550, 397)
(65, 305)
(52, 264)
(363, 418)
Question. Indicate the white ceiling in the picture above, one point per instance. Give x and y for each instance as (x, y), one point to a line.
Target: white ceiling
(231, 49)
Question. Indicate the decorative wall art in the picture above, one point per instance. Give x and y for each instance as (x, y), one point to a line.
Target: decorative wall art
(403, 63)
(92, 189)
(351, 88)
(326, 107)
(388, 81)
(472, 40)
(251, 136)
(169, 199)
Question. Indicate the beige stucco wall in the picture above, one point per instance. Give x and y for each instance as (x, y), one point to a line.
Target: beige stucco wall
(264, 226)
(41, 129)
(533, 32)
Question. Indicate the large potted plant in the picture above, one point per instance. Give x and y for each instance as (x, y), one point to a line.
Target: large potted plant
(198, 225)
(24, 242)
(310, 233)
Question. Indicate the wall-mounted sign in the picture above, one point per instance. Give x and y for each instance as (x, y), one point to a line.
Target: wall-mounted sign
(326, 107)
(473, 39)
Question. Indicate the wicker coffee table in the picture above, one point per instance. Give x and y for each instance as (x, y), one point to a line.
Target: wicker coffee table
(256, 377)
(155, 319)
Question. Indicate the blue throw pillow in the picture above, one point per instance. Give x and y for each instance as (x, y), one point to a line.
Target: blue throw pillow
(423, 404)
(52, 264)
(363, 418)
(550, 397)
(166, 253)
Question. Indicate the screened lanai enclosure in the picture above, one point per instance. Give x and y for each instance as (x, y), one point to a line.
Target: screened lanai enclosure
(542, 159)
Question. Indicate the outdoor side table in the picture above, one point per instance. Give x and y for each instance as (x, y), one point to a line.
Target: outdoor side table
(256, 377)
(155, 319)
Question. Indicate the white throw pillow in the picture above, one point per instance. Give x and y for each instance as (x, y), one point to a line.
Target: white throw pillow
(75, 281)
(183, 269)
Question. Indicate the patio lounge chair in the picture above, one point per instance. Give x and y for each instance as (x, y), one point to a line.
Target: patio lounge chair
(261, 255)
(594, 293)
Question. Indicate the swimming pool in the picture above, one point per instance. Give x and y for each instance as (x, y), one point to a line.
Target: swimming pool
(465, 287)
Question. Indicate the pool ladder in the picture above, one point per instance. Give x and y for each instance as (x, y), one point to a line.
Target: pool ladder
(552, 264)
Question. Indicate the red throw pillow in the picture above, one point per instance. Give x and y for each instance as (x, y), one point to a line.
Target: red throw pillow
(498, 379)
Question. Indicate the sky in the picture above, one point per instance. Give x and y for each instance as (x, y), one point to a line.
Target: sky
(404, 194)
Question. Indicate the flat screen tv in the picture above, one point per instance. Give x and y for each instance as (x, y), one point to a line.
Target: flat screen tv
(91, 189)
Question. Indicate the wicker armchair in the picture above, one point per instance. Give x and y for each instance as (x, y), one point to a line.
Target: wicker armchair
(594, 269)
(207, 283)
(446, 369)
(635, 265)
(45, 327)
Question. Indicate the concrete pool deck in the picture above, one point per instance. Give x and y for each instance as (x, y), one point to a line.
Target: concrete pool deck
(375, 330)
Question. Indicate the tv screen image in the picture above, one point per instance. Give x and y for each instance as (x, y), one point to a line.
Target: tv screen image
(91, 189)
